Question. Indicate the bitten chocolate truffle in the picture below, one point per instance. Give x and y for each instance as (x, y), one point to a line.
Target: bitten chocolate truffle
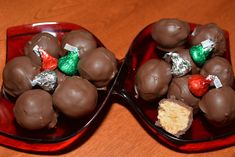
(17, 75)
(75, 97)
(33, 110)
(179, 90)
(47, 42)
(209, 31)
(99, 66)
(221, 68)
(218, 105)
(184, 53)
(170, 34)
(81, 39)
(174, 116)
(152, 79)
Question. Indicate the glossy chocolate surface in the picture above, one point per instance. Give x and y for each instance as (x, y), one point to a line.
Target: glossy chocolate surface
(75, 97)
(152, 79)
(47, 42)
(81, 39)
(210, 31)
(218, 106)
(179, 90)
(221, 68)
(34, 110)
(99, 66)
(17, 75)
(170, 33)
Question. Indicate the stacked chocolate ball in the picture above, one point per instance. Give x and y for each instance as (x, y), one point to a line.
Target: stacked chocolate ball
(55, 78)
(191, 76)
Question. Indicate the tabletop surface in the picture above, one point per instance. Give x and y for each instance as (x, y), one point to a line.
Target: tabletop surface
(116, 23)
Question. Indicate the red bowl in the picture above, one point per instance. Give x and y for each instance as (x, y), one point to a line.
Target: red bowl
(201, 136)
(67, 131)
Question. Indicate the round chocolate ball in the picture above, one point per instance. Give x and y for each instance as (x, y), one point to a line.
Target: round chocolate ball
(99, 66)
(33, 110)
(170, 34)
(179, 90)
(17, 75)
(218, 106)
(47, 42)
(221, 68)
(209, 31)
(152, 79)
(75, 97)
(81, 39)
(184, 53)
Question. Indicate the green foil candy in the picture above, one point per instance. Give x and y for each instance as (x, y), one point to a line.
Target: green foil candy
(199, 53)
(68, 63)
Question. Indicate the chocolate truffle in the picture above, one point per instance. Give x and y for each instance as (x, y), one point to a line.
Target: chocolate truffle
(221, 68)
(174, 116)
(17, 75)
(81, 39)
(33, 110)
(179, 90)
(218, 106)
(209, 31)
(184, 53)
(152, 79)
(47, 42)
(75, 97)
(170, 33)
(99, 66)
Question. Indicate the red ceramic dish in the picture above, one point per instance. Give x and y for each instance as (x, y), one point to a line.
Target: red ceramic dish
(201, 137)
(68, 131)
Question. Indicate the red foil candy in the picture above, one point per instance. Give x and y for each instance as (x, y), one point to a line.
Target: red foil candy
(48, 62)
(198, 85)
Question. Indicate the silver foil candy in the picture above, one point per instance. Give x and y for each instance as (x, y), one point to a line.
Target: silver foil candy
(180, 66)
(47, 80)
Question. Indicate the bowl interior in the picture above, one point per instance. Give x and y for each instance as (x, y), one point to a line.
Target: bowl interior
(66, 128)
(142, 49)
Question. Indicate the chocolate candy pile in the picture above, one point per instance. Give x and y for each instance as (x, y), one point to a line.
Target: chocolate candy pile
(55, 78)
(191, 76)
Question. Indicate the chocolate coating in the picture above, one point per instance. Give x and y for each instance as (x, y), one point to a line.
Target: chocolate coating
(99, 66)
(61, 77)
(209, 31)
(75, 97)
(81, 39)
(218, 106)
(47, 42)
(34, 110)
(221, 68)
(152, 79)
(178, 90)
(170, 33)
(17, 75)
(184, 53)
